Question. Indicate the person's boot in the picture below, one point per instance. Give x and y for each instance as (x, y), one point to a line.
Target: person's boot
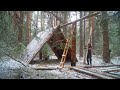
(87, 62)
(90, 63)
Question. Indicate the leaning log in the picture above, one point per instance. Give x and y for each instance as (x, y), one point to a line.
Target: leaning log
(55, 39)
(57, 44)
(96, 13)
(36, 45)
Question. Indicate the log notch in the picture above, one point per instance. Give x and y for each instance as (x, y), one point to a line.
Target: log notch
(57, 44)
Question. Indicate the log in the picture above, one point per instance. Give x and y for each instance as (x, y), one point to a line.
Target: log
(100, 66)
(73, 47)
(112, 70)
(96, 13)
(57, 44)
(15, 59)
(36, 45)
(45, 68)
(99, 76)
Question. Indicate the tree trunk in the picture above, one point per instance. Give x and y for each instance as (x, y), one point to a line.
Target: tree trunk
(119, 36)
(97, 40)
(93, 37)
(42, 21)
(104, 24)
(84, 40)
(15, 18)
(36, 30)
(73, 48)
(93, 34)
(28, 32)
(81, 36)
(65, 16)
(20, 30)
(89, 20)
(84, 29)
(42, 28)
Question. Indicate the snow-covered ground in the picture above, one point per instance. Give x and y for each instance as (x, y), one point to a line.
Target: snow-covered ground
(116, 60)
(97, 60)
(10, 69)
(9, 63)
(8, 66)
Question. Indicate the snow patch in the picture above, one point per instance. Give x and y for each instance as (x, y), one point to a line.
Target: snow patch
(10, 63)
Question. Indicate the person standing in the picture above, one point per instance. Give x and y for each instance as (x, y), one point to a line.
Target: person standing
(89, 54)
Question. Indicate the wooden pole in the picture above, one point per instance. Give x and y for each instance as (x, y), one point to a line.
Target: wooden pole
(84, 42)
(81, 36)
(96, 13)
(92, 39)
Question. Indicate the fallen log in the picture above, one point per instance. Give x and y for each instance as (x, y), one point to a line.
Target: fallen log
(100, 66)
(112, 70)
(43, 68)
(99, 76)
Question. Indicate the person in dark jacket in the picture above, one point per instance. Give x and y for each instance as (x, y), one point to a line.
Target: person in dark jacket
(89, 54)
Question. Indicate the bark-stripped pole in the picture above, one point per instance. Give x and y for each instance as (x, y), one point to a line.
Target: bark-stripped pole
(84, 41)
(96, 13)
(84, 30)
(73, 48)
(41, 16)
(92, 38)
(81, 36)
